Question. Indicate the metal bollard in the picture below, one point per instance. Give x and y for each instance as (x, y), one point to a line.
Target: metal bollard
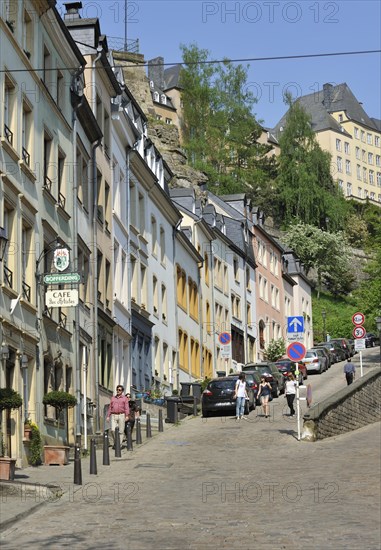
(106, 452)
(138, 432)
(118, 452)
(195, 406)
(93, 457)
(161, 428)
(148, 426)
(77, 464)
(129, 438)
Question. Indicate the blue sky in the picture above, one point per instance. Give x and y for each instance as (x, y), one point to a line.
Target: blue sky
(252, 29)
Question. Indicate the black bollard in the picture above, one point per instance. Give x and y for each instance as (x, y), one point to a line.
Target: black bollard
(161, 428)
(138, 432)
(129, 438)
(77, 465)
(194, 406)
(148, 425)
(106, 452)
(93, 457)
(118, 452)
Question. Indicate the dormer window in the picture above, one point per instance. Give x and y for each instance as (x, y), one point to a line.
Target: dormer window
(163, 99)
(151, 84)
(156, 96)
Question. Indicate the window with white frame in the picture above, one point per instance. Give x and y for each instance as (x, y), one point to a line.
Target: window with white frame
(338, 144)
(349, 189)
(371, 177)
(370, 158)
(378, 178)
(339, 164)
(358, 153)
(154, 235)
(359, 192)
(372, 196)
(363, 155)
(369, 139)
(363, 136)
(347, 166)
(377, 141)
(341, 184)
(356, 133)
(346, 148)
(358, 172)
(364, 175)
(378, 160)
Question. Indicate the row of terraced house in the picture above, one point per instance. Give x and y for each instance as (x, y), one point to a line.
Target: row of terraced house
(163, 271)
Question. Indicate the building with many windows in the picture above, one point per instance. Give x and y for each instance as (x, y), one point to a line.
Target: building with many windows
(353, 138)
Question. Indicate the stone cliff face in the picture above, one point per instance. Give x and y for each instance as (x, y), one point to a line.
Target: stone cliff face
(164, 136)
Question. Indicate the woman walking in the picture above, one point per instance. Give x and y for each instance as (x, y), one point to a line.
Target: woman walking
(240, 394)
(289, 393)
(264, 393)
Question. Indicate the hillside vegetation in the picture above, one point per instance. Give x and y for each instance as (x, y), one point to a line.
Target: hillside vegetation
(220, 133)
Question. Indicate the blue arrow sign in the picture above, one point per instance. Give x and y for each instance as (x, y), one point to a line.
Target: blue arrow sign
(295, 324)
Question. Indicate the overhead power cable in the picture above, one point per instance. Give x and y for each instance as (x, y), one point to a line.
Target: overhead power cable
(209, 62)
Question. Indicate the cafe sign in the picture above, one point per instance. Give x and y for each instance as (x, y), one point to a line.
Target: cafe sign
(61, 298)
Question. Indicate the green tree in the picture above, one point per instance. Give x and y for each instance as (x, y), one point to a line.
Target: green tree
(275, 350)
(327, 253)
(220, 131)
(306, 189)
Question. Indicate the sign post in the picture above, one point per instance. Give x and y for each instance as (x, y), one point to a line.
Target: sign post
(358, 319)
(225, 339)
(296, 351)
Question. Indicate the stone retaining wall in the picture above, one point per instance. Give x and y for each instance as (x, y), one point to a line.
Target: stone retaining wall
(352, 407)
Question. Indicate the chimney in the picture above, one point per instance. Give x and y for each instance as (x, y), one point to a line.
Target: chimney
(72, 10)
(156, 71)
(327, 96)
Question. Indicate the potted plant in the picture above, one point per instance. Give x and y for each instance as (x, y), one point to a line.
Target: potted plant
(61, 401)
(9, 400)
(27, 429)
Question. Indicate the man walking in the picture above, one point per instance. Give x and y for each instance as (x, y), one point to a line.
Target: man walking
(118, 411)
(349, 371)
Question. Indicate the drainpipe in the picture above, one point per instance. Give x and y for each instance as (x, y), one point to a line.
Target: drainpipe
(76, 337)
(175, 229)
(211, 271)
(95, 280)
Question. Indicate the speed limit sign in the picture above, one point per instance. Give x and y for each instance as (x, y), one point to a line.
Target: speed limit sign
(358, 318)
(359, 332)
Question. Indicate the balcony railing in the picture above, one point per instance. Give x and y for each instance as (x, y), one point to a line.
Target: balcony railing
(48, 184)
(26, 291)
(8, 277)
(61, 200)
(62, 319)
(48, 311)
(8, 134)
(26, 156)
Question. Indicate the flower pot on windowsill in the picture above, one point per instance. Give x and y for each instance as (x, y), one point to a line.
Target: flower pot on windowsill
(56, 454)
(27, 431)
(7, 468)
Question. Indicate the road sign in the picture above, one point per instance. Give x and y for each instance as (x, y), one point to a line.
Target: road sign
(358, 318)
(295, 324)
(360, 344)
(359, 332)
(296, 351)
(225, 338)
(61, 278)
(61, 298)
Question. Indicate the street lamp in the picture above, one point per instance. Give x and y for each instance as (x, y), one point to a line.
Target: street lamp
(378, 323)
(324, 315)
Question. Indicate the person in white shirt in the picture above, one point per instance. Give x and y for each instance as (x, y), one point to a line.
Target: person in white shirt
(240, 394)
(290, 392)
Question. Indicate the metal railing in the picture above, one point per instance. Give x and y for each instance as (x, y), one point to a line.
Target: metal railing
(8, 134)
(61, 200)
(26, 291)
(122, 45)
(26, 156)
(8, 277)
(48, 184)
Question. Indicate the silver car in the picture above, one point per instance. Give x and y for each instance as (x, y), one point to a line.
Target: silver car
(316, 360)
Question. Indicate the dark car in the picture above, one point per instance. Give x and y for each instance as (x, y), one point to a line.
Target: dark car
(334, 356)
(287, 367)
(344, 346)
(271, 373)
(370, 340)
(218, 396)
(326, 353)
(351, 343)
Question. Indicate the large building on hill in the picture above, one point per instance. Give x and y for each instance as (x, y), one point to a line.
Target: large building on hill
(353, 138)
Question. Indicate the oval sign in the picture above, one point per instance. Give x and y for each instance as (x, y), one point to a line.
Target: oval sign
(358, 318)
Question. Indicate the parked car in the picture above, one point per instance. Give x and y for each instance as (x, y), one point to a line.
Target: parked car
(287, 367)
(340, 351)
(371, 340)
(351, 343)
(326, 353)
(315, 360)
(253, 378)
(331, 350)
(218, 396)
(344, 346)
(272, 374)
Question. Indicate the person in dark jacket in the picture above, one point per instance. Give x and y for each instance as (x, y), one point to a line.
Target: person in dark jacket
(349, 371)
